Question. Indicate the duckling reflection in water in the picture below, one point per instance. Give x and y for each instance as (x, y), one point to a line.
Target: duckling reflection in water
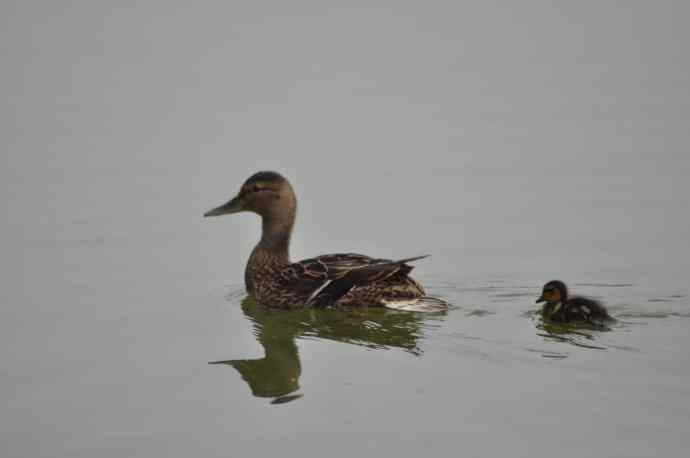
(334, 280)
(561, 308)
(277, 374)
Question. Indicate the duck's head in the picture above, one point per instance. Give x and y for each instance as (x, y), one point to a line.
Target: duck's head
(553, 292)
(267, 194)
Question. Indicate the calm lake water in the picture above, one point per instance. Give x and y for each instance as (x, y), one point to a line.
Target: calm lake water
(513, 145)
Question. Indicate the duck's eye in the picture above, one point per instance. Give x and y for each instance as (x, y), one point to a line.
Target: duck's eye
(249, 190)
(255, 188)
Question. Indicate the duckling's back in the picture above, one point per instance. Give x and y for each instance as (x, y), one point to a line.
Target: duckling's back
(581, 308)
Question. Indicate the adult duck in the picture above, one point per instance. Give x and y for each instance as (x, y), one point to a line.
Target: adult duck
(332, 280)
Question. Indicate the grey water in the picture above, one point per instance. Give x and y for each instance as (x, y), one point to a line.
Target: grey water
(515, 142)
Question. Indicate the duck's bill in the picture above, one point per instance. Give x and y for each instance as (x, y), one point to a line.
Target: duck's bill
(233, 206)
(541, 299)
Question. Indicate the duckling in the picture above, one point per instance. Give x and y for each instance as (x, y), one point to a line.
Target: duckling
(561, 308)
(332, 280)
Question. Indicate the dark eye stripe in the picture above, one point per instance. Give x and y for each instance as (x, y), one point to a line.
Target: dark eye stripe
(252, 190)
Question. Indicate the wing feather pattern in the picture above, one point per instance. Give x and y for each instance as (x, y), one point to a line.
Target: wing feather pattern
(325, 279)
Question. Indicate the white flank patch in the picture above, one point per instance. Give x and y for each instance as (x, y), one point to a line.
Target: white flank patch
(586, 309)
(556, 308)
(422, 304)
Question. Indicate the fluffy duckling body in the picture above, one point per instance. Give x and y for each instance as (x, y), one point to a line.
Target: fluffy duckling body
(561, 308)
(334, 280)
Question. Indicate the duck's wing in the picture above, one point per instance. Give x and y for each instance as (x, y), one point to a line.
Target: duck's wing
(325, 279)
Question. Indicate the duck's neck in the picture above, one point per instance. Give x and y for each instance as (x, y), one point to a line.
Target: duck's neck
(275, 236)
(272, 253)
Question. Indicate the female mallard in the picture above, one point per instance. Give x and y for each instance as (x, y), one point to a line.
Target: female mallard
(333, 280)
(563, 309)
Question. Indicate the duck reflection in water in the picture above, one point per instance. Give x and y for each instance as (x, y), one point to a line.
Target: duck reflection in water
(277, 374)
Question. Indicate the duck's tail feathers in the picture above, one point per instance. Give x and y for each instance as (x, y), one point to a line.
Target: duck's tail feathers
(416, 258)
(425, 304)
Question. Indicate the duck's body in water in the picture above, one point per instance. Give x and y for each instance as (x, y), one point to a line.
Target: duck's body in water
(561, 308)
(334, 280)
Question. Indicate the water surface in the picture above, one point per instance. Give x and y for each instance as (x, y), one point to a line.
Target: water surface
(514, 142)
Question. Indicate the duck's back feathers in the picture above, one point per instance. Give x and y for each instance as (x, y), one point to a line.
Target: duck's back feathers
(324, 280)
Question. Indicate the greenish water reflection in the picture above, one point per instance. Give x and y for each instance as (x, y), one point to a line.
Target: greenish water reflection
(580, 334)
(277, 374)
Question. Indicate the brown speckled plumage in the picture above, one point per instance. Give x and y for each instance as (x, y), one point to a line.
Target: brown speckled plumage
(334, 280)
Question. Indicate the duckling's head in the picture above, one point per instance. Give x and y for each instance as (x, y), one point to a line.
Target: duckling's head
(553, 292)
(267, 194)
